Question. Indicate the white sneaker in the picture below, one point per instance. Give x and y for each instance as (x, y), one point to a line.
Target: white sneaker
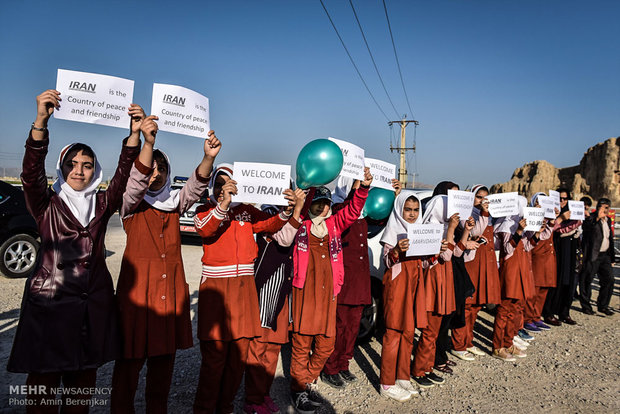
(406, 385)
(464, 355)
(475, 350)
(520, 343)
(395, 392)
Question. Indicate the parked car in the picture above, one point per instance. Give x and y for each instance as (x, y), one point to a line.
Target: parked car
(19, 236)
(186, 221)
(372, 316)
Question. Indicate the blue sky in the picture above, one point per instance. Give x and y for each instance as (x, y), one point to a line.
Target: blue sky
(494, 84)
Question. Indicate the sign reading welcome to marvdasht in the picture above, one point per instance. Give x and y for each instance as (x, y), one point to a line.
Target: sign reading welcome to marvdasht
(180, 110)
(261, 183)
(93, 98)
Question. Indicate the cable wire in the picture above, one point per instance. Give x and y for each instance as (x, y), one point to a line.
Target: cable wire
(402, 82)
(373, 59)
(353, 62)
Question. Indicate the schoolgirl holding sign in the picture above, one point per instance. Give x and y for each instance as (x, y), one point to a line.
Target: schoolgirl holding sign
(404, 299)
(152, 293)
(228, 311)
(439, 289)
(68, 322)
(481, 265)
(319, 275)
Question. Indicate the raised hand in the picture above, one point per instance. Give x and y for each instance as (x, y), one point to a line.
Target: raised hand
(469, 224)
(289, 195)
(454, 221)
(228, 190)
(46, 103)
(397, 186)
(137, 116)
(212, 145)
(522, 224)
(367, 177)
(149, 129)
(484, 206)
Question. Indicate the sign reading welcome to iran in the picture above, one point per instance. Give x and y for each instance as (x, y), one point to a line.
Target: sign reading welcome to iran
(180, 110)
(534, 217)
(577, 210)
(424, 239)
(503, 204)
(261, 183)
(93, 98)
(461, 202)
(353, 163)
(547, 204)
(382, 173)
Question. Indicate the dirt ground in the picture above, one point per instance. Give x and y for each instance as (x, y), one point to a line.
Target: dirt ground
(570, 369)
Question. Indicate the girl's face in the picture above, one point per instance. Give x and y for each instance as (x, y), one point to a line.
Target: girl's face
(78, 171)
(563, 199)
(480, 195)
(320, 207)
(411, 211)
(217, 187)
(159, 177)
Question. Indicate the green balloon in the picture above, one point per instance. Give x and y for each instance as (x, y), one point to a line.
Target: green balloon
(379, 203)
(318, 163)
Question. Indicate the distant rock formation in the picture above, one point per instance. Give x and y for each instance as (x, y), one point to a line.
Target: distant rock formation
(597, 175)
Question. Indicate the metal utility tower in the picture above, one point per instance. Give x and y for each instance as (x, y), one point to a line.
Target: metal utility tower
(402, 171)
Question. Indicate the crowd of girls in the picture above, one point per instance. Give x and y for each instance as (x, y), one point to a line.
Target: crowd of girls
(269, 276)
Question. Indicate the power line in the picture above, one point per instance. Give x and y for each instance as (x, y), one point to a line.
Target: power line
(373, 59)
(396, 56)
(352, 61)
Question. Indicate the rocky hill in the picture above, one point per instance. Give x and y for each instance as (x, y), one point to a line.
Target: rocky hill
(597, 175)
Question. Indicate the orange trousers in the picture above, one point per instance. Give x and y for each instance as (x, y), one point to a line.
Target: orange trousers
(425, 353)
(125, 383)
(221, 370)
(260, 370)
(534, 306)
(506, 323)
(396, 356)
(305, 368)
(462, 338)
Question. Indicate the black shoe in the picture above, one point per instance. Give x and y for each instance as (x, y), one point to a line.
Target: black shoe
(332, 380)
(588, 311)
(435, 378)
(314, 397)
(607, 311)
(568, 320)
(302, 403)
(347, 376)
(423, 382)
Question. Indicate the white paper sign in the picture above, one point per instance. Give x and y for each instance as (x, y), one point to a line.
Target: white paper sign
(534, 217)
(577, 210)
(93, 98)
(180, 110)
(461, 202)
(353, 164)
(382, 173)
(555, 196)
(261, 183)
(424, 239)
(547, 204)
(503, 204)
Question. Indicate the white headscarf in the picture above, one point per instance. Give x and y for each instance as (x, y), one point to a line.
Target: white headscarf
(396, 224)
(165, 199)
(81, 203)
(437, 211)
(475, 213)
(510, 224)
(227, 170)
(535, 198)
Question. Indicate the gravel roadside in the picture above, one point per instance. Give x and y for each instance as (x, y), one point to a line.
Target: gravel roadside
(570, 369)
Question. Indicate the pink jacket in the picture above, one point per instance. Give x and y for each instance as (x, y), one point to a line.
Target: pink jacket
(336, 224)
